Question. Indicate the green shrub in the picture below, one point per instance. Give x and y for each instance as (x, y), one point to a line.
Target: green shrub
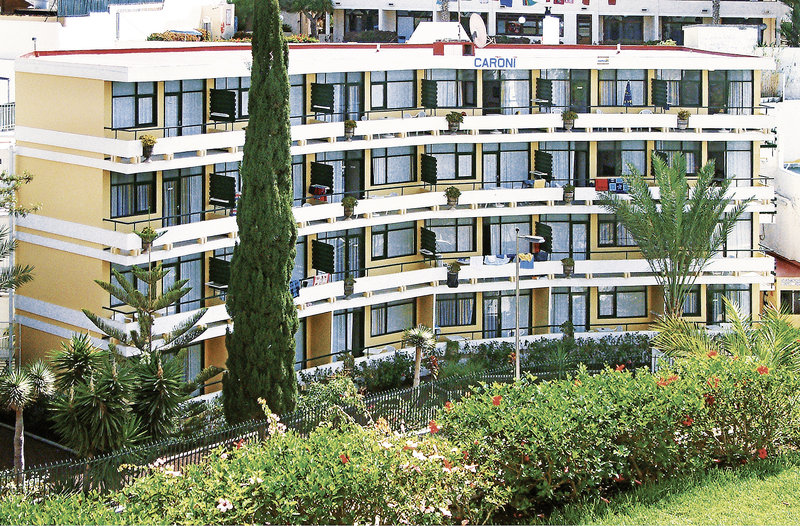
(370, 36)
(337, 390)
(384, 374)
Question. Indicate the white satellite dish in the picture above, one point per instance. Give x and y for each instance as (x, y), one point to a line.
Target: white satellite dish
(477, 30)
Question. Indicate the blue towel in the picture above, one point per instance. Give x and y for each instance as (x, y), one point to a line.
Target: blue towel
(506, 3)
(294, 287)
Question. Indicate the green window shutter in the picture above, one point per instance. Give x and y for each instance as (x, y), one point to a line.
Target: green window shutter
(322, 174)
(658, 93)
(428, 241)
(322, 256)
(429, 169)
(543, 165)
(322, 98)
(430, 97)
(546, 231)
(222, 190)
(223, 105)
(219, 271)
(544, 92)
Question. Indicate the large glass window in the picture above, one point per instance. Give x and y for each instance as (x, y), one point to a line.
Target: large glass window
(297, 99)
(454, 310)
(499, 314)
(241, 86)
(570, 89)
(690, 150)
(453, 161)
(739, 295)
(629, 29)
(456, 88)
(622, 302)
(615, 158)
(612, 233)
(684, 87)
(505, 164)
(732, 160)
(298, 179)
(132, 194)
(133, 104)
(570, 162)
(184, 107)
(569, 304)
(299, 271)
(691, 305)
(182, 195)
(348, 95)
(739, 243)
(570, 235)
(348, 251)
(623, 87)
(790, 301)
(394, 165)
(347, 332)
(507, 91)
(533, 25)
(453, 235)
(500, 234)
(730, 92)
(189, 268)
(230, 170)
(393, 89)
(348, 172)
(392, 317)
(395, 240)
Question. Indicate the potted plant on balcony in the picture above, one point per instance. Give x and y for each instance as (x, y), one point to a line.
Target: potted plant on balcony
(569, 117)
(452, 194)
(452, 274)
(568, 265)
(147, 235)
(349, 129)
(454, 120)
(148, 141)
(569, 193)
(683, 119)
(349, 284)
(349, 203)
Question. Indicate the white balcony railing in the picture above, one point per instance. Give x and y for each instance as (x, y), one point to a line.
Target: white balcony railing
(7, 117)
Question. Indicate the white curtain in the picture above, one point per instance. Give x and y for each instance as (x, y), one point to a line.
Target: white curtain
(741, 238)
(560, 78)
(739, 160)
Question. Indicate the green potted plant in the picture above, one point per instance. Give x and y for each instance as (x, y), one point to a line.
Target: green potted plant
(452, 274)
(569, 265)
(454, 120)
(349, 203)
(147, 235)
(349, 284)
(683, 119)
(569, 117)
(568, 329)
(148, 141)
(569, 193)
(452, 194)
(349, 129)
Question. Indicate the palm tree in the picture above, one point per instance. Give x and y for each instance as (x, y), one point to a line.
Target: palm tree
(774, 341)
(18, 390)
(679, 232)
(422, 339)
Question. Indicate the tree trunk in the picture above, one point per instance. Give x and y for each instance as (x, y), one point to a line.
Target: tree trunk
(715, 12)
(312, 19)
(417, 364)
(19, 445)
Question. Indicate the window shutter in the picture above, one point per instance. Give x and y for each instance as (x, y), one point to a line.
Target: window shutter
(322, 174)
(658, 93)
(429, 169)
(322, 256)
(430, 94)
(223, 105)
(545, 231)
(428, 242)
(544, 92)
(543, 165)
(219, 271)
(222, 190)
(322, 98)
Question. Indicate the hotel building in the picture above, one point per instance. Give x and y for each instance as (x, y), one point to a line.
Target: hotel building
(511, 159)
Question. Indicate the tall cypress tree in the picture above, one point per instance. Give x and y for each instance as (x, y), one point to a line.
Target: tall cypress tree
(261, 346)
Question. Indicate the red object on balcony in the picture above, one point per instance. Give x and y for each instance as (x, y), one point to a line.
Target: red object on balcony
(601, 185)
(585, 2)
(438, 48)
(612, 2)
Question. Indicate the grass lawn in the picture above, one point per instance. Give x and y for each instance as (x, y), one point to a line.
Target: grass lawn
(764, 492)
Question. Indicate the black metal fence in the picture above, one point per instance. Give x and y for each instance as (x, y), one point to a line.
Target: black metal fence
(404, 409)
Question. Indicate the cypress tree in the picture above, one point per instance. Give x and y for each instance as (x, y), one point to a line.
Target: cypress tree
(261, 346)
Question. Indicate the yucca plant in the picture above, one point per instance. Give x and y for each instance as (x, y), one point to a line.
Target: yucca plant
(422, 339)
(680, 232)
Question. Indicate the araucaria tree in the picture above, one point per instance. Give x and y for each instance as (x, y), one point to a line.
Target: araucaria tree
(261, 346)
(679, 232)
(314, 10)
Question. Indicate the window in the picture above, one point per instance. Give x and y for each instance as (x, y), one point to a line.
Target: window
(506, 163)
(182, 196)
(348, 95)
(612, 233)
(622, 302)
(453, 235)
(730, 92)
(455, 87)
(133, 104)
(297, 99)
(615, 158)
(348, 252)
(732, 160)
(623, 28)
(347, 332)
(507, 91)
(508, 24)
(298, 179)
(394, 165)
(623, 87)
(239, 85)
(184, 107)
(230, 170)
(500, 234)
(691, 305)
(132, 194)
(300, 346)
(684, 87)
(790, 301)
(453, 161)
(189, 268)
(393, 317)
(390, 241)
(299, 271)
(739, 243)
(689, 149)
(393, 89)
(500, 311)
(569, 304)
(739, 295)
(570, 89)
(453, 310)
(570, 235)
(570, 162)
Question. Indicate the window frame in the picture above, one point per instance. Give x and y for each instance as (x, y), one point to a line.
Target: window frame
(616, 150)
(384, 85)
(614, 293)
(377, 154)
(794, 299)
(456, 298)
(385, 307)
(137, 208)
(137, 98)
(618, 227)
(457, 158)
(694, 291)
(457, 222)
(458, 77)
(241, 108)
(616, 82)
(384, 232)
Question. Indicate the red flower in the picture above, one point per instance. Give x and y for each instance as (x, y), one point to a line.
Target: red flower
(578, 382)
(447, 464)
(496, 400)
(526, 458)
(344, 458)
(744, 461)
(762, 453)
(662, 383)
(712, 354)
(605, 500)
(672, 378)
(713, 382)
(512, 358)
(448, 406)
(688, 421)
(620, 367)
(639, 482)
(619, 478)
(466, 455)
(763, 369)
(239, 444)
(433, 427)
(710, 400)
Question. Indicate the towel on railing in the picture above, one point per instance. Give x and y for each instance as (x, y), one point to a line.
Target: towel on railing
(495, 260)
(321, 279)
(294, 287)
(526, 261)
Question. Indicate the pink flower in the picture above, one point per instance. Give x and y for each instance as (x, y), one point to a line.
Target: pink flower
(224, 505)
(605, 500)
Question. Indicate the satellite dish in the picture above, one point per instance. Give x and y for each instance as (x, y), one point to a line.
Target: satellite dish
(477, 30)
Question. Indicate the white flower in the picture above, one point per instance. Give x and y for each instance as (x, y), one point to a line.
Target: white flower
(471, 467)
(254, 480)
(435, 457)
(411, 444)
(171, 473)
(445, 512)
(223, 456)
(418, 455)
(386, 444)
(224, 505)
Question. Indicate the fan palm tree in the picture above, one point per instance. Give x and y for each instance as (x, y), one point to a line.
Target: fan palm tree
(774, 341)
(422, 339)
(18, 390)
(679, 232)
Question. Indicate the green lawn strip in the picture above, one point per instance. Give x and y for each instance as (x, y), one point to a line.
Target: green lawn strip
(764, 492)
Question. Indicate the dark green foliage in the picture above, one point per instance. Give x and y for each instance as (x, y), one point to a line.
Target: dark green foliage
(373, 376)
(314, 10)
(261, 348)
(790, 29)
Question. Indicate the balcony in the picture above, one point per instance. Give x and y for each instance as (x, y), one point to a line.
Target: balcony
(7, 116)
